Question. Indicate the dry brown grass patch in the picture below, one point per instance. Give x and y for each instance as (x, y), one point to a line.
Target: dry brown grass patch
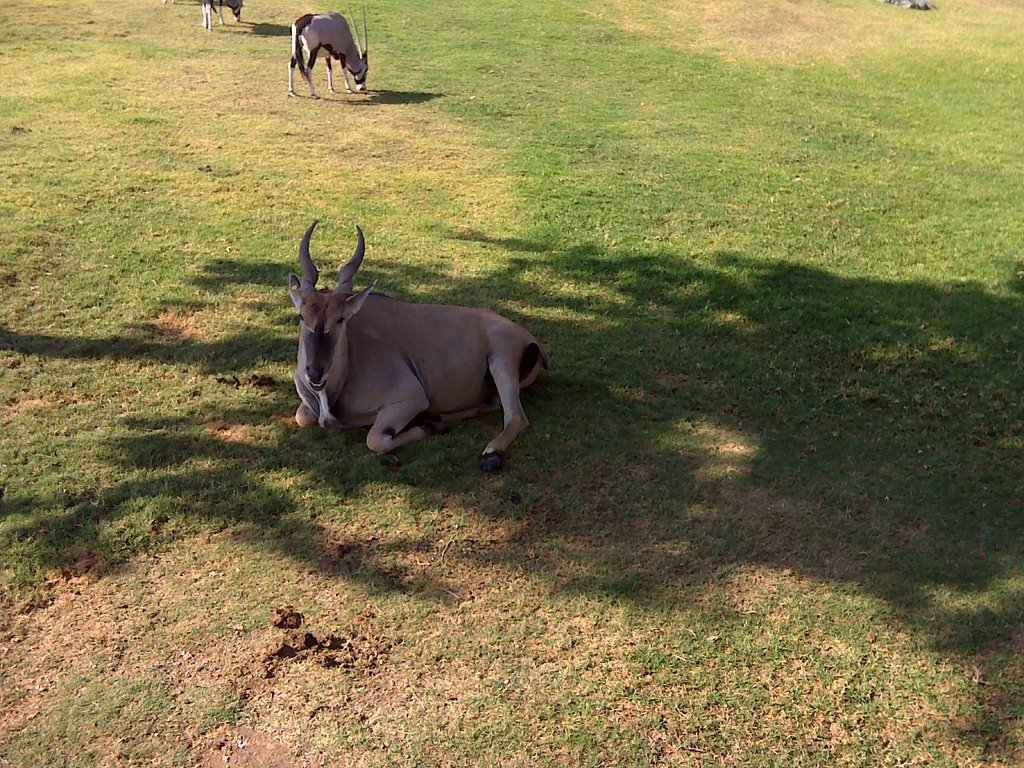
(175, 324)
(45, 647)
(727, 453)
(803, 30)
(230, 433)
(25, 406)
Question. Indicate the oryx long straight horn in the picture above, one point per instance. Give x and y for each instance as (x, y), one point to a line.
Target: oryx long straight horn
(329, 32)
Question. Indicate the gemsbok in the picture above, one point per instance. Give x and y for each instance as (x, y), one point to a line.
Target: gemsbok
(330, 32)
(405, 370)
(207, 8)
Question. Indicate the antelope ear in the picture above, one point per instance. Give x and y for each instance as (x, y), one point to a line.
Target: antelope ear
(294, 286)
(355, 303)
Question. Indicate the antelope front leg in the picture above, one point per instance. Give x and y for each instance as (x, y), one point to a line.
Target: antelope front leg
(506, 379)
(387, 433)
(344, 72)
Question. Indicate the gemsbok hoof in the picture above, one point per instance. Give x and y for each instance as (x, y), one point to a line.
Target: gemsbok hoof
(490, 461)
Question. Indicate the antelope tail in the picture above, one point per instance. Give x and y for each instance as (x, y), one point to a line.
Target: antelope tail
(297, 55)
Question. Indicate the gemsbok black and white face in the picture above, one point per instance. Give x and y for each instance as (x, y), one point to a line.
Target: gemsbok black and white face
(360, 76)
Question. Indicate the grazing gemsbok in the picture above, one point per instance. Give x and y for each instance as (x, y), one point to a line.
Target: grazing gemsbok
(404, 369)
(207, 8)
(331, 32)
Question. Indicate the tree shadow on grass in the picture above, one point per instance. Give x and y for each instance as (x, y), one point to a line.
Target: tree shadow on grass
(701, 416)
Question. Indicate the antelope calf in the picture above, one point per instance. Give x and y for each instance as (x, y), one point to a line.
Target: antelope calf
(405, 370)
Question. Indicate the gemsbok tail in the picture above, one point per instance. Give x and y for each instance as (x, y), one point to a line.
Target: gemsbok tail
(297, 56)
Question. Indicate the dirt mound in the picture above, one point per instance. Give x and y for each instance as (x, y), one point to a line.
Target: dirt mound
(355, 651)
(358, 650)
(286, 617)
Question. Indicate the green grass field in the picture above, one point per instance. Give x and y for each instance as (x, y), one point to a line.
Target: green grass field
(770, 508)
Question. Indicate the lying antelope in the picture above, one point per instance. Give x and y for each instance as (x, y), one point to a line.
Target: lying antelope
(329, 31)
(405, 370)
(207, 8)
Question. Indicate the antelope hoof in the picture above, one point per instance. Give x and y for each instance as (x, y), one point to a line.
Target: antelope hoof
(490, 461)
(436, 427)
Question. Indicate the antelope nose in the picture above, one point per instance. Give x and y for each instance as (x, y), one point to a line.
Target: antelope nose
(315, 374)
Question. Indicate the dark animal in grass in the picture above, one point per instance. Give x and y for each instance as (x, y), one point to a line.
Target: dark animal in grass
(917, 5)
(405, 370)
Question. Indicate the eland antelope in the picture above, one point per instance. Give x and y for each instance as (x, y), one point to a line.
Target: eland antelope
(207, 9)
(405, 370)
(331, 32)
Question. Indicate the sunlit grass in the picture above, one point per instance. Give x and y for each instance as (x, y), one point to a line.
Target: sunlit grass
(768, 508)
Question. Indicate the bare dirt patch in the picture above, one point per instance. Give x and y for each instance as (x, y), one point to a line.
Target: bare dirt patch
(246, 748)
(230, 433)
(357, 649)
(174, 324)
(787, 29)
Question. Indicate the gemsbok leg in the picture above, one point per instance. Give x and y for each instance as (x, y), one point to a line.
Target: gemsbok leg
(308, 73)
(330, 75)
